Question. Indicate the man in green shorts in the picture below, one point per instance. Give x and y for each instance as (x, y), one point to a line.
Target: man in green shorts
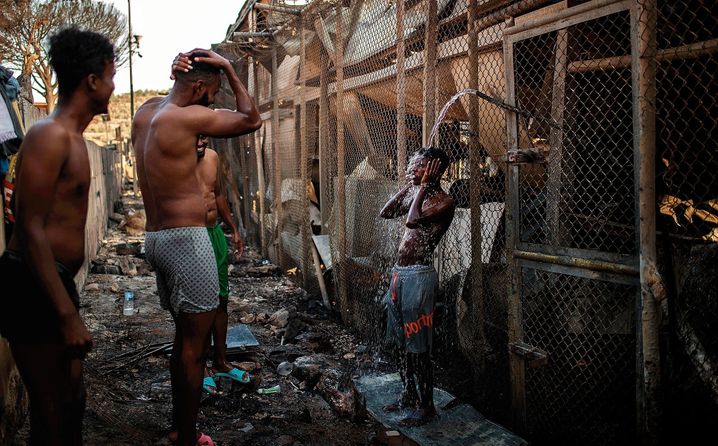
(216, 203)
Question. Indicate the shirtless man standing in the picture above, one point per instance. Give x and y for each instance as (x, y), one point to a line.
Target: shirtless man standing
(211, 183)
(39, 315)
(164, 137)
(414, 282)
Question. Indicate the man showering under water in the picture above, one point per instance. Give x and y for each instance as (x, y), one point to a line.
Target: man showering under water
(414, 282)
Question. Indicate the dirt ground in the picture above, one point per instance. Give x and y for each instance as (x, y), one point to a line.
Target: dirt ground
(127, 373)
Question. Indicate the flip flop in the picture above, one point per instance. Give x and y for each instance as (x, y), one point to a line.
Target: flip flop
(235, 375)
(209, 385)
(204, 440)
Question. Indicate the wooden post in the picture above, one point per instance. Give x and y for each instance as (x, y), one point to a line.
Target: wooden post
(475, 183)
(259, 154)
(277, 160)
(245, 182)
(401, 158)
(256, 143)
(515, 317)
(341, 263)
(324, 152)
(304, 153)
(558, 100)
(643, 49)
(430, 37)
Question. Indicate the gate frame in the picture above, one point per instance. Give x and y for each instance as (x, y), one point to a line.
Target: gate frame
(597, 265)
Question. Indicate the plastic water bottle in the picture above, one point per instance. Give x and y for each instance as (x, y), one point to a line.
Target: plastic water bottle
(128, 309)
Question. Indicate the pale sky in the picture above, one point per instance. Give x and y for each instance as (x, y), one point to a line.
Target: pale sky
(168, 27)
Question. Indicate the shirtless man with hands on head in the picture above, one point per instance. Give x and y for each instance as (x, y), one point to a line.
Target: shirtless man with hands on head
(164, 137)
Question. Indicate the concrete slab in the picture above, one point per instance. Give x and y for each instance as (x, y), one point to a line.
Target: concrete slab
(460, 424)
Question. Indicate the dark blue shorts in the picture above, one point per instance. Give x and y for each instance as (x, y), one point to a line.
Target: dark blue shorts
(410, 307)
(26, 314)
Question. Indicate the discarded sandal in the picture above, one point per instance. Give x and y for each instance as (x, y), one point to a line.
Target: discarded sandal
(235, 375)
(209, 386)
(205, 440)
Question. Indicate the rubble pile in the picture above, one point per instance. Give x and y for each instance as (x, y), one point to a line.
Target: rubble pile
(301, 390)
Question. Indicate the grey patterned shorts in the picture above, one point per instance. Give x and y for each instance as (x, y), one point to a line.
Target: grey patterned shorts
(185, 268)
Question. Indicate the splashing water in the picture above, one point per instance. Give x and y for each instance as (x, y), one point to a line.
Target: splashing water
(491, 99)
(445, 109)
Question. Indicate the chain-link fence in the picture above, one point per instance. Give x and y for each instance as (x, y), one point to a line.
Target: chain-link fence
(551, 171)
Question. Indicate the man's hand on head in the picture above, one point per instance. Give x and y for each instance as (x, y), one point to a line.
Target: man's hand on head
(213, 59)
(181, 63)
(432, 174)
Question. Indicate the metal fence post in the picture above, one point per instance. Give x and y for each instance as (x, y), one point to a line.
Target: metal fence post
(341, 166)
(304, 152)
(476, 271)
(430, 38)
(256, 143)
(644, 45)
(400, 94)
(277, 164)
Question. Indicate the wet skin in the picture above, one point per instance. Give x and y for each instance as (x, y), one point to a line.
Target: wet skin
(164, 137)
(429, 212)
(53, 180)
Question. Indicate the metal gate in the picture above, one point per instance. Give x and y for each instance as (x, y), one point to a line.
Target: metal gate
(571, 225)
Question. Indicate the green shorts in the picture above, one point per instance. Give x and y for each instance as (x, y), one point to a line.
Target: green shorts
(219, 244)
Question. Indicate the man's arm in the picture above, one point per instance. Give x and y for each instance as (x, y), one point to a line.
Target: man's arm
(417, 215)
(395, 206)
(224, 212)
(224, 123)
(45, 149)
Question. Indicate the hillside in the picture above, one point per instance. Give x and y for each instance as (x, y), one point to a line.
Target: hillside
(119, 113)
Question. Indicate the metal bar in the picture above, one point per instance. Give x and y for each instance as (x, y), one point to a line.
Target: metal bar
(429, 117)
(277, 161)
(251, 35)
(624, 259)
(341, 167)
(278, 8)
(692, 51)
(401, 156)
(604, 276)
(643, 49)
(558, 20)
(577, 262)
(515, 318)
(558, 105)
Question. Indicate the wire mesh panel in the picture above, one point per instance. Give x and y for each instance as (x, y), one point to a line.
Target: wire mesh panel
(350, 90)
(585, 394)
(583, 195)
(575, 198)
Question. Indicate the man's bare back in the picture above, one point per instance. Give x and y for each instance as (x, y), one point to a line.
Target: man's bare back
(164, 135)
(166, 164)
